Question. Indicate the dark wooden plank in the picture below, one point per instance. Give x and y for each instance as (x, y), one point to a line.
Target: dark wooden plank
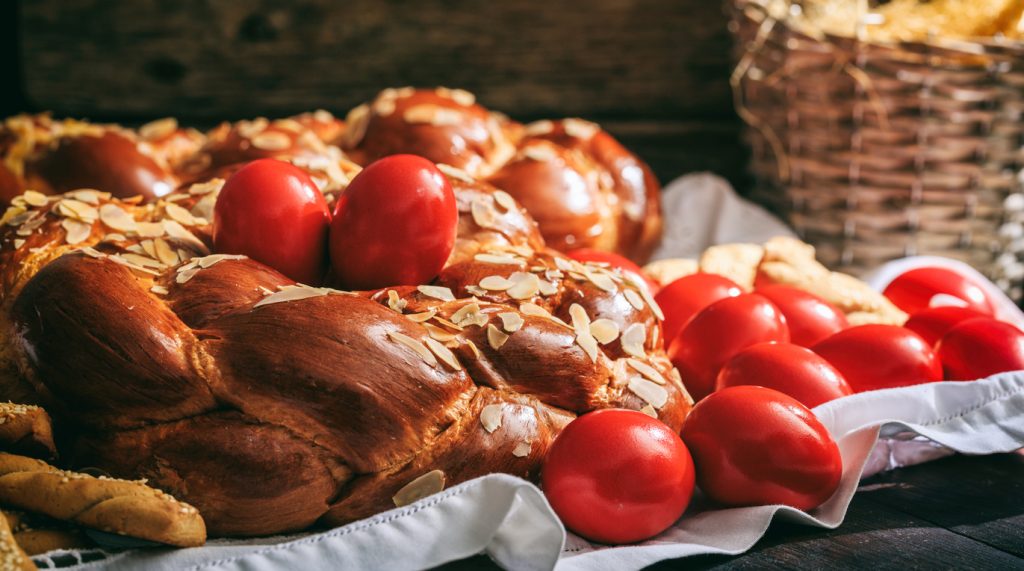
(12, 97)
(872, 537)
(235, 58)
(975, 497)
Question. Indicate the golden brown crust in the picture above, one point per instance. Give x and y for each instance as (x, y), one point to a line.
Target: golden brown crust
(788, 261)
(12, 556)
(737, 262)
(587, 191)
(26, 429)
(58, 156)
(443, 125)
(584, 189)
(629, 183)
(115, 506)
(38, 534)
(564, 191)
(664, 272)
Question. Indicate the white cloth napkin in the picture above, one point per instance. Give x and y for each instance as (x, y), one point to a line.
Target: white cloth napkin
(509, 519)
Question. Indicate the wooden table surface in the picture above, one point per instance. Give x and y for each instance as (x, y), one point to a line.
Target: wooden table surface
(957, 513)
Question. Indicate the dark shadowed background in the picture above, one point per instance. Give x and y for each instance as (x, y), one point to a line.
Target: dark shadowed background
(654, 72)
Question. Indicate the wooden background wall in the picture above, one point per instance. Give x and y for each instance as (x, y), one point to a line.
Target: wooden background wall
(655, 72)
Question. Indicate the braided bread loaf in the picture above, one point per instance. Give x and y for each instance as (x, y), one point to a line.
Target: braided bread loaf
(271, 405)
(582, 187)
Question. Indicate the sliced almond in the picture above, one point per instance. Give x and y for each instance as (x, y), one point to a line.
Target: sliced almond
(421, 316)
(202, 188)
(524, 285)
(580, 319)
(134, 267)
(538, 152)
(395, 302)
(500, 259)
(443, 353)
(436, 292)
(418, 114)
(164, 252)
(432, 115)
(180, 214)
(115, 218)
(538, 311)
(89, 196)
(178, 232)
(356, 122)
(272, 141)
(505, 200)
(77, 231)
(455, 172)
(604, 330)
(15, 215)
(511, 321)
(649, 411)
(33, 198)
(581, 324)
(649, 372)
(653, 394)
(250, 129)
(484, 213)
(158, 129)
(635, 281)
(159, 290)
(146, 246)
(601, 280)
(144, 261)
(542, 127)
(77, 209)
(19, 242)
(460, 96)
(149, 229)
(534, 309)
(522, 449)
(495, 283)
(439, 334)
(579, 128)
(495, 337)
(547, 288)
(634, 299)
(490, 417)
(633, 339)
(287, 293)
(426, 485)
(566, 265)
(214, 259)
(417, 347)
(469, 314)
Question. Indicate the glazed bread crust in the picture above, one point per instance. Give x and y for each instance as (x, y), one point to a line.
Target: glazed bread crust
(271, 406)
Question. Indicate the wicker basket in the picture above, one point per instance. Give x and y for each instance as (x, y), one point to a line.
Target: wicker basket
(874, 152)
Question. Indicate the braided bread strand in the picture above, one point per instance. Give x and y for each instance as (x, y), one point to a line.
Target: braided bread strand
(115, 506)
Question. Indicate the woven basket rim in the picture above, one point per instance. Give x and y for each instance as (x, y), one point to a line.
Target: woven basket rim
(994, 46)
